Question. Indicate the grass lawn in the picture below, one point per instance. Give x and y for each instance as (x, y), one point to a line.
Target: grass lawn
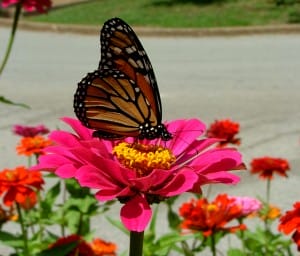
(175, 13)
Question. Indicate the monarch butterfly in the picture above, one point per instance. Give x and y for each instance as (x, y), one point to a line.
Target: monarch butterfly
(121, 98)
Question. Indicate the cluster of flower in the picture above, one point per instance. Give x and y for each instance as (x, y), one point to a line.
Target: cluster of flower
(141, 173)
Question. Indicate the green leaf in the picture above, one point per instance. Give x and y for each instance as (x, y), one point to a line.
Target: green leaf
(7, 101)
(75, 189)
(118, 225)
(153, 221)
(11, 240)
(173, 219)
(87, 205)
(52, 194)
(235, 252)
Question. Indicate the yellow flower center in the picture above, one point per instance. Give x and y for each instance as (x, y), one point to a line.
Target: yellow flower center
(11, 175)
(211, 207)
(144, 158)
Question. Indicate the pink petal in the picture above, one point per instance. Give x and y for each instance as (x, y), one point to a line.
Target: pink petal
(215, 160)
(221, 177)
(182, 182)
(99, 147)
(64, 138)
(66, 171)
(111, 174)
(157, 178)
(136, 214)
(109, 194)
(184, 132)
(50, 162)
(92, 177)
(83, 132)
(194, 149)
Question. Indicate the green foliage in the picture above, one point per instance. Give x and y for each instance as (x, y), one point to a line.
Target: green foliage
(264, 242)
(294, 16)
(173, 13)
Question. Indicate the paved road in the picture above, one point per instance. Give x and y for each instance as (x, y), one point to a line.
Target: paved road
(252, 79)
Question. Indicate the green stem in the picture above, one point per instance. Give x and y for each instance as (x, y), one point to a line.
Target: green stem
(242, 237)
(268, 191)
(12, 35)
(79, 228)
(136, 243)
(41, 225)
(213, 245)
(24, 230)
(64, 198)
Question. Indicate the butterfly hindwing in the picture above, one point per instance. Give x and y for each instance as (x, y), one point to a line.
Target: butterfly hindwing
(113, 104)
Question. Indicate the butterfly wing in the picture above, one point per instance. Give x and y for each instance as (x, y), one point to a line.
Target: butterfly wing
(121, 49)
(113, 104)
(121, 98)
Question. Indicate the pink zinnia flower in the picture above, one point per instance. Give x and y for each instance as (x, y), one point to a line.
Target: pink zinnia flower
(29, 5)
(30, 131)
(248, 205)
(140, 173)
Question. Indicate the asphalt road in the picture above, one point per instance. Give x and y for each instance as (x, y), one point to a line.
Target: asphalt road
(252, 79)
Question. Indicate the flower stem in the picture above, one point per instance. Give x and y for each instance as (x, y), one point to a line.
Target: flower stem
(268, 191)
(64, 198)
(12, 35)
(213, 245)
(267, 224)
(136, 243)
(24, 230)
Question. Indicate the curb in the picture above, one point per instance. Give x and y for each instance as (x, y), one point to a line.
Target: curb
(162, 32)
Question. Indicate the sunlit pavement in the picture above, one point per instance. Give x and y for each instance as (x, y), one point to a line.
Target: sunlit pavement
(252, 79)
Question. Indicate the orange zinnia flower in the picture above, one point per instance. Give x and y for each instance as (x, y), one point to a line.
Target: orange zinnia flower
(270, 212)
(32, 145)
(226, 130)
(20, 185)
(103, 248)
(209, 218)
(267, 166)
(290, 222)
(82, 247)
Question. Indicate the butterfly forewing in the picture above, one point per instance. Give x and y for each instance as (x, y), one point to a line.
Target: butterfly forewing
(121, 49)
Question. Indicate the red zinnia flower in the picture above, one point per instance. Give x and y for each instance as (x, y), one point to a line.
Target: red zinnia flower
(209, 218)
(20, 185)
(226, 130)
(82, 248)
(29, 5)
(32, 145)
(290, 222)
(30, 131)
(267, 166)
(103, 248)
